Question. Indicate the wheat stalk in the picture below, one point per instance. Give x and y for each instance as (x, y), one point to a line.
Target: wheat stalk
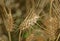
(58, 37)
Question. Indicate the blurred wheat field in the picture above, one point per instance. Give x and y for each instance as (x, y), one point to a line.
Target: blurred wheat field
(29, 20)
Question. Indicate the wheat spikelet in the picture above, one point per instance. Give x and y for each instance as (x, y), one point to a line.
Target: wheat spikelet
(29, 22)
(51, 23)
(8, 21)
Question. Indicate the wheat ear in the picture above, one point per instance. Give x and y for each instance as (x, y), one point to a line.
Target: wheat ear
(8, 21)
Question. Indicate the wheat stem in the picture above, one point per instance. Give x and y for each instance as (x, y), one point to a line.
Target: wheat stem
(58, 37)
(51, 3)
(20, 35)
(9, 34)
